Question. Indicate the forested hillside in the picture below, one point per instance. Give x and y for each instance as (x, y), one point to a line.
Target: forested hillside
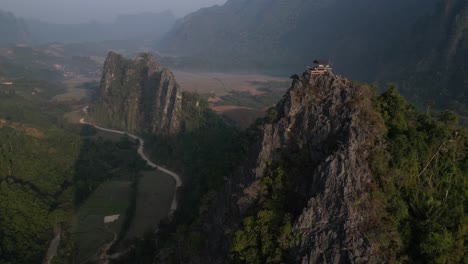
(37, 161)
(35, 172)
(48, 166)
(420, 168)
(44, 176)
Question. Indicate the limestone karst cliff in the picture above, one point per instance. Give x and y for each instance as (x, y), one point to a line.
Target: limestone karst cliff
(328, 121)
(306, 169)
(137, 96)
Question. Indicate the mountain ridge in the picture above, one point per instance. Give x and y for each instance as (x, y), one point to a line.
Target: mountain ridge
(420, 45)
(278, 34)
(124, 27)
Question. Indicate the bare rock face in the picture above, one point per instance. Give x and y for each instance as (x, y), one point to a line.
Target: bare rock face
(137, 96)
(328, 120)
(322, 115)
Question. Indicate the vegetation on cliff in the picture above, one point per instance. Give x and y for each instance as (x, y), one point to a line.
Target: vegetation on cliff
(420, 166)
(418, 194)
(267, 235)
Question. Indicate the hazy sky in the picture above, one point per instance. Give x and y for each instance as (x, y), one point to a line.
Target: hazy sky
(74, 11)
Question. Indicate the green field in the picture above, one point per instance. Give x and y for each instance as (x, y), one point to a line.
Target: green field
(155, 192)
(89, 232)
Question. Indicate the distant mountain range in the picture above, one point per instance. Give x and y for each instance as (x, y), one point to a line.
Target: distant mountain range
(421, 44)
(142, 26)
(139, 26)
(279, 34)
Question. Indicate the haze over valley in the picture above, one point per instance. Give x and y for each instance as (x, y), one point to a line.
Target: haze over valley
(238, 131)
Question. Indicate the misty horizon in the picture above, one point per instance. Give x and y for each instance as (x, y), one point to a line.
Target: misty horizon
(103, 11)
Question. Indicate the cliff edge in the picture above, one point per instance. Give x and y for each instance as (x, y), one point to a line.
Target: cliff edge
(307, 175)
(137, 96)
(325, 119)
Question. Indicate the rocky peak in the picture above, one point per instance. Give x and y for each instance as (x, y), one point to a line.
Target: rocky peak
(137, 96)
(322, 131)
(148, 60)
(323, 115)
(312, 111)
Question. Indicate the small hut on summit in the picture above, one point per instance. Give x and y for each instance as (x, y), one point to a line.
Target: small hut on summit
(321, 67)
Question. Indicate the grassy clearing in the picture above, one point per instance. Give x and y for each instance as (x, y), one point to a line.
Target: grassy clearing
(88, 229)
(155, 192)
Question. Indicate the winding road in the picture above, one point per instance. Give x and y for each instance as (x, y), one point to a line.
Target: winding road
(102, 253)
(54, 244)
(142, 154)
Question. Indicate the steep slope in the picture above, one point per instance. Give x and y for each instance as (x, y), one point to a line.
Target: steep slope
(335, 174)
(137, 96)
(278, 34)
(326, 122)
(305, 173)
(12, 30)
